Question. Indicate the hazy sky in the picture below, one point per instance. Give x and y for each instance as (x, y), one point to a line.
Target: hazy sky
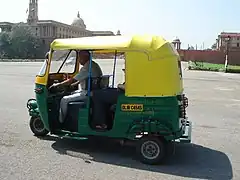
(193, 21)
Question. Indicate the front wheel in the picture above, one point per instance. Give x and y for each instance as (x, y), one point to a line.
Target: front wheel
(37, 127)
(151, 150)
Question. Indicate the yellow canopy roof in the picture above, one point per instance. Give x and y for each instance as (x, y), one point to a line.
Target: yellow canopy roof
(136, 42)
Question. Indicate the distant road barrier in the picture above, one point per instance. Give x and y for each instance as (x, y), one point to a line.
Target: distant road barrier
(21, 60)
(31, 60)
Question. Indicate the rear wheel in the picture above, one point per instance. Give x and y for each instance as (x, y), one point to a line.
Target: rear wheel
(37, 127)
(151, 150)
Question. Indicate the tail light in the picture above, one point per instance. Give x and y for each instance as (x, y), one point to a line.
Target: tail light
(183, 104)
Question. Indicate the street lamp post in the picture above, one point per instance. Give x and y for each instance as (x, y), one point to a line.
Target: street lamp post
(227, 39)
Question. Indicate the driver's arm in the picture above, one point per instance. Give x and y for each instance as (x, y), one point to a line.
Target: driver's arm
(83, 73)
(81, 76)
(67, 82)
(75, 83)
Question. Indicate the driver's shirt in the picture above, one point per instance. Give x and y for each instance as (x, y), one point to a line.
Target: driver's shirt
(83, 74)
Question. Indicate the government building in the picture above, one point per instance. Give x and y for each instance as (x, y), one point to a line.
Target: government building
(48, 30)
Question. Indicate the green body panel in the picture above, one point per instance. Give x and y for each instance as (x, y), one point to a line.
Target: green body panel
(162, 111)
(42, 104)
(160, 115)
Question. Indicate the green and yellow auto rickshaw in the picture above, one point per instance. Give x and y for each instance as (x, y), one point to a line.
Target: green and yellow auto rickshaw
(151, 112)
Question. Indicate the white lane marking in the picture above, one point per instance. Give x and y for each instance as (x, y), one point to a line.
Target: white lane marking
(229, 74)
(200, 99)
(238, 100)
(224, 89)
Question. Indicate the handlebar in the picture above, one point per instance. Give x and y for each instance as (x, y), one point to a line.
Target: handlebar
(60, 90)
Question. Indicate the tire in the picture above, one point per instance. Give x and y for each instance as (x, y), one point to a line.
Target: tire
(37, 127)
(151, 150)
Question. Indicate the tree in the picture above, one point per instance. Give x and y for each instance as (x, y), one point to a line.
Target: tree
(5, 44)
(21, 43)
(190, 48)
(214, 46)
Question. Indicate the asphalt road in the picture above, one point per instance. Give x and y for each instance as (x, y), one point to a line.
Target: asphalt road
(214, 104)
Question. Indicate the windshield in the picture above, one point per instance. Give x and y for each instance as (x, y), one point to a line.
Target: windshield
(63, 61)
(43, 69)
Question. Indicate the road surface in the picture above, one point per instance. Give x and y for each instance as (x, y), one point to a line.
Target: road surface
(214, 104)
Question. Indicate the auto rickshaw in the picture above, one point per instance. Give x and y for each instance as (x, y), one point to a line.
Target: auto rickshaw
(151, 112)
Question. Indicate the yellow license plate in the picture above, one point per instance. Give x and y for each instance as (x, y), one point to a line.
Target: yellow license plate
(132, 107)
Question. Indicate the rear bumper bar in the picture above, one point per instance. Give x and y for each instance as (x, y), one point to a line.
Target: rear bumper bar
(187, 133)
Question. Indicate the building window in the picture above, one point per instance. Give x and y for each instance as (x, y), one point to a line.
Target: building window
(44, 31)
(237, 38)
(54, 31)
(237, 44)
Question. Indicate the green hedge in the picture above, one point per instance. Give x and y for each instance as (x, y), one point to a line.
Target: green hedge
(193, 65)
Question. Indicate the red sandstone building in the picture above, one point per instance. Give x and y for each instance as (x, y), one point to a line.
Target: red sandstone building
(232, 40)
(226, 43)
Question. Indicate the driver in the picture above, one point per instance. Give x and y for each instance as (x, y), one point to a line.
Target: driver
(80, 78)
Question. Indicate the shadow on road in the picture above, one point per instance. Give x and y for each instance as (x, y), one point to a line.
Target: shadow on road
(190, 160)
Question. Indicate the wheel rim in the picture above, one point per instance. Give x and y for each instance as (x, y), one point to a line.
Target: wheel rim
(150, 150)
(38, 125)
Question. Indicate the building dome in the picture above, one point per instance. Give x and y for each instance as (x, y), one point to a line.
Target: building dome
(78, 22)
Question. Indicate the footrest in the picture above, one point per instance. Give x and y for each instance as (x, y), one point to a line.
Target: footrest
(186, 137)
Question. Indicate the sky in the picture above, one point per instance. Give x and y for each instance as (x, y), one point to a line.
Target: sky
(194, 22)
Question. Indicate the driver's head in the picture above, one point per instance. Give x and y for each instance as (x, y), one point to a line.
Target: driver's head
(84, 56)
